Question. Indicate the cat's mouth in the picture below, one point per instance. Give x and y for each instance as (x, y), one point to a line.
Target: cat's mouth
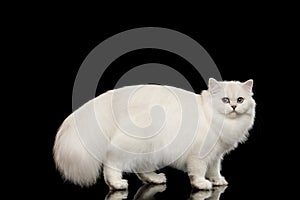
(233, 113)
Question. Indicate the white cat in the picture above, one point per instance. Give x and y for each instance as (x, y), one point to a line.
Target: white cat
(143, 128)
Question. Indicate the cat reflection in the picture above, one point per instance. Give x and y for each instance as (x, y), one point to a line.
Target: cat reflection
(208, 195)
(145, 192)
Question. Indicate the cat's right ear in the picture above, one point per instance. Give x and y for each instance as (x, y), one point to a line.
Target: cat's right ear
(213, 86)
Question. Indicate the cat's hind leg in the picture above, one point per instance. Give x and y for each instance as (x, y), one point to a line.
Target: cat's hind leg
(113, 178)
(152, 177)
(196, 171)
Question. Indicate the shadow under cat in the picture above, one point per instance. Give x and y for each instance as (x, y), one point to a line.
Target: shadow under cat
(147, 192)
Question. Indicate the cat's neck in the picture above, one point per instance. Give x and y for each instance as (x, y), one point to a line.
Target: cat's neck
(235, 130)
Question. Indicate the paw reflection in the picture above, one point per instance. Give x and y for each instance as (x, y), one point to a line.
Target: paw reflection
(148, 191)
(117, 195)
(145, 192)
(209, 194)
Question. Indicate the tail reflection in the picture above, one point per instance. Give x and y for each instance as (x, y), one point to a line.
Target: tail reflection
(208, 195)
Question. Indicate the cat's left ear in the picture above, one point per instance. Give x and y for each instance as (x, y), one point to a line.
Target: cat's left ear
(213, 86)
(248, 85)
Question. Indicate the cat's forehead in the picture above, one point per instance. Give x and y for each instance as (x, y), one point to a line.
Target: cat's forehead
(233, 88)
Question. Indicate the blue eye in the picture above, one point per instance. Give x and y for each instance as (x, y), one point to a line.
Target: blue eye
(225, 100)
(240, 100)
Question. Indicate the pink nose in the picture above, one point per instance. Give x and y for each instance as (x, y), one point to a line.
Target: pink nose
(233, 107)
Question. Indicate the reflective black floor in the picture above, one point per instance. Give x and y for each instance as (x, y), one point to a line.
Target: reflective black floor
(177, 187)
(152, 192)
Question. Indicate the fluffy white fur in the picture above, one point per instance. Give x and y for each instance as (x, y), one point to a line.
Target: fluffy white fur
(131, 129)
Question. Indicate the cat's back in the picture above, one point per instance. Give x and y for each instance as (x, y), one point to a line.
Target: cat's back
(141, 95)
(143, 106)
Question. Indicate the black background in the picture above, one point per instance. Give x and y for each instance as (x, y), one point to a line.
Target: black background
(52, 51)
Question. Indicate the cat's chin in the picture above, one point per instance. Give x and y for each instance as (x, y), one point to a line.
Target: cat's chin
(232, 115)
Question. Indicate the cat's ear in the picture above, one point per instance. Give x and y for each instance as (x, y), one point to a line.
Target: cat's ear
(248, 85)
(213, 86)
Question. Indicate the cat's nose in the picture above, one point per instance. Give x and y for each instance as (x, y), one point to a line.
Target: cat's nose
(233, 107)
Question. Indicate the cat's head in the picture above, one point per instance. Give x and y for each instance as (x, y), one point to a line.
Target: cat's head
(232, 98)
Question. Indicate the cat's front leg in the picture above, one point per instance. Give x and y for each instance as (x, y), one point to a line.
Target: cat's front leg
(196, 171)
(214, 175)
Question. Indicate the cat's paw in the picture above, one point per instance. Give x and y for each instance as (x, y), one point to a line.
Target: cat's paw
(202, 184)
(153, 177)
(119, 185)
(157, 178)
(218, 181)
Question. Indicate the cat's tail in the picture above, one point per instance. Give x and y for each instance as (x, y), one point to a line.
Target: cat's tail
(74, 162)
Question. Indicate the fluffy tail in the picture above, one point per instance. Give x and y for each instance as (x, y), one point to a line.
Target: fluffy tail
(72, 159)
